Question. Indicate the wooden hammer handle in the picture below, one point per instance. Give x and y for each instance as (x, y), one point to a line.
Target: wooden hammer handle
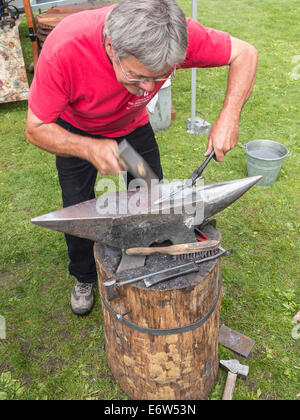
(229, 386)
(179, 249)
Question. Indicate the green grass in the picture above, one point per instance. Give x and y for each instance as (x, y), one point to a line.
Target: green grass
(51, 354)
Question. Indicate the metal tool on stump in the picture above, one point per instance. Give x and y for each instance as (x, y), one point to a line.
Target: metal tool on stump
(235, 369)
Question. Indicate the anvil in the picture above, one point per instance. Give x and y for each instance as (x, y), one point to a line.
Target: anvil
(131, 218)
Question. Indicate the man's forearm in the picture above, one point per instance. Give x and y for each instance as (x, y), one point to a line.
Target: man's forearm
(102, 153)
(55, 139)
(241, 79)
(225, 131)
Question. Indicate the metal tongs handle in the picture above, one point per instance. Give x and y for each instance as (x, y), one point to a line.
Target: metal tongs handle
(190, 181)
(198, 172)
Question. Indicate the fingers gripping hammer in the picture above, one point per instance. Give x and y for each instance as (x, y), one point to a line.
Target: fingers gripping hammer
(234, 369)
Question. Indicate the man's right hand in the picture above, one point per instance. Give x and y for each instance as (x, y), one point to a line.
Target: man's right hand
(103, 154)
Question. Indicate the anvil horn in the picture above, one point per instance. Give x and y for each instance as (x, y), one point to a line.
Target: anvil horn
(147, 223)
(219, 196)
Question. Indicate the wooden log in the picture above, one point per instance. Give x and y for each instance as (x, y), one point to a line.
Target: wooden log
(176, 366)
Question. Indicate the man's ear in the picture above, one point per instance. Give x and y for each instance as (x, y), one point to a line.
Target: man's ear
(108, 48)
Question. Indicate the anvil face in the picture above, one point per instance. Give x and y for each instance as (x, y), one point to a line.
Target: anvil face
(131, 218)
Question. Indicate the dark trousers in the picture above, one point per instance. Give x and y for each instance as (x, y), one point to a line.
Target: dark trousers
(77, 179)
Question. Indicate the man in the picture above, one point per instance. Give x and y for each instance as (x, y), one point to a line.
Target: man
(96, 73)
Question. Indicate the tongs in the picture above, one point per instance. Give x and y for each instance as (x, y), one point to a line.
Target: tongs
(190, 182)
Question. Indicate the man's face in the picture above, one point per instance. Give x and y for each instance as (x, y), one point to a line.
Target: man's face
(143, 80)
(130, 68)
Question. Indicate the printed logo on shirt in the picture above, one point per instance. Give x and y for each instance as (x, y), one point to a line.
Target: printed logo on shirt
(141, 100)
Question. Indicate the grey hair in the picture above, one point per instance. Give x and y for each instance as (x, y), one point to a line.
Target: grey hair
(152, 31)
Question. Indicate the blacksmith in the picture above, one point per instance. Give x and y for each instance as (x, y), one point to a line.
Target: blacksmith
(96, 73)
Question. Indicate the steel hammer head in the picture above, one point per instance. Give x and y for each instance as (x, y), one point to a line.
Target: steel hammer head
(234, 366)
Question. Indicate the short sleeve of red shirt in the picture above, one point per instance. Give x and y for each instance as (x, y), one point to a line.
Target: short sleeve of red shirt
(54, 91)
(206, 47)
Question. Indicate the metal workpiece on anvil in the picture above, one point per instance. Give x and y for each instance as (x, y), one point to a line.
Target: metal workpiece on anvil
(131, 218)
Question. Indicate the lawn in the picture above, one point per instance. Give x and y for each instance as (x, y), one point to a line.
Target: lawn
(49, 353)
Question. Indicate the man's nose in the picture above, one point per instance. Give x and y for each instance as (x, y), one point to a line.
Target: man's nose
(147, 85)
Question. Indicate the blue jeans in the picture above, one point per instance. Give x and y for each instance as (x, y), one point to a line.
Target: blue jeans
(77, 179)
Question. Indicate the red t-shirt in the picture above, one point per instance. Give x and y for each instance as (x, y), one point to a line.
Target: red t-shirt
(75, 80)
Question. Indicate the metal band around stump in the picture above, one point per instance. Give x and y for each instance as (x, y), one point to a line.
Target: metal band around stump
(168, 331)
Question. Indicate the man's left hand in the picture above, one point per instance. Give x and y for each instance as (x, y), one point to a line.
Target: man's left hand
(223, 137)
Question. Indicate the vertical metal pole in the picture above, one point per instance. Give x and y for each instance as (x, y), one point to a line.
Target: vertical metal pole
(194, 74)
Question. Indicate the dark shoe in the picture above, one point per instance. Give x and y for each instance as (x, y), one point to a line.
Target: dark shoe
(82, 298)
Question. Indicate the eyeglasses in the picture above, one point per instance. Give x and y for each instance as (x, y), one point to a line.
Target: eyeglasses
(147, 79)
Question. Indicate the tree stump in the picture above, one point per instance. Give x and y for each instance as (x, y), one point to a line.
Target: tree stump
(163, 361)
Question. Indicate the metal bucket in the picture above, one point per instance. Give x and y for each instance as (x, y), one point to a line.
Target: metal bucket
(265, 157)
(159, 108)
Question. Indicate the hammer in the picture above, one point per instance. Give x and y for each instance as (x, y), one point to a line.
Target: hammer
(234, 369)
